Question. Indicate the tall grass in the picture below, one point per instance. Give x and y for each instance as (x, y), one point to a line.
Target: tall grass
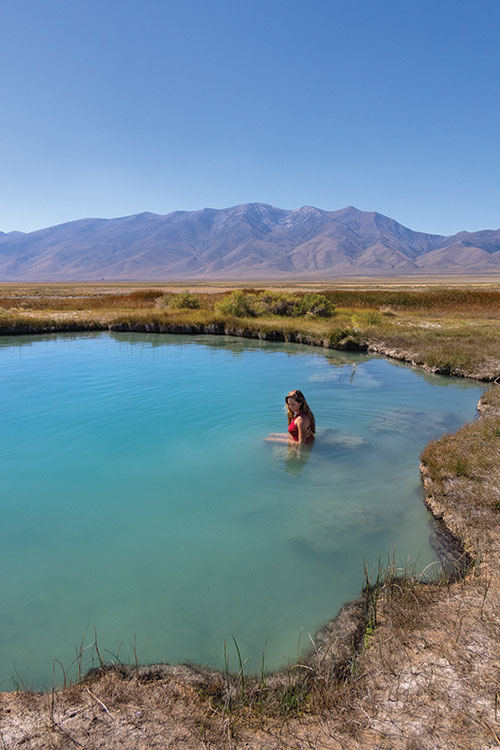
(471, 454)
(454, 348)
(464, 300)
(142, 299)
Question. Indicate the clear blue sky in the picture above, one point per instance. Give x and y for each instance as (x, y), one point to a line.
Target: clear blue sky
(112, 107)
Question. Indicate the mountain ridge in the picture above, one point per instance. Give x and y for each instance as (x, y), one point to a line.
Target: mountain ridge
(247, 241)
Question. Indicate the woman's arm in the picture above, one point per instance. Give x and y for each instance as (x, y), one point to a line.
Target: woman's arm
(303, 427)
(278, 437)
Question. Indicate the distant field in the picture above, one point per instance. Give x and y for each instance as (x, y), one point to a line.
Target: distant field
(486, 281)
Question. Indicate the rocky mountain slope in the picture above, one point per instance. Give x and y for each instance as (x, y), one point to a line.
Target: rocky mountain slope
(249, 241)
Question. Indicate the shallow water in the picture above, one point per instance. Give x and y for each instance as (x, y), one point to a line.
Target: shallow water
(140, 501)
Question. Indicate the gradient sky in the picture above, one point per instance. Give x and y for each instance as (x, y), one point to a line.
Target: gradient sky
(112, 107)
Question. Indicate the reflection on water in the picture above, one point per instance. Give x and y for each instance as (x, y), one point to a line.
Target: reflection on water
(139, 497)
(295, 455)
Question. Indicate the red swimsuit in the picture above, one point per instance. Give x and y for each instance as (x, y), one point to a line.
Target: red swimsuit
(294, 430)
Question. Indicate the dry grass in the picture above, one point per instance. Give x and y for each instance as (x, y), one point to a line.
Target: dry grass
(442, 299)
(469, 347)
(145, 299)
(490, 402)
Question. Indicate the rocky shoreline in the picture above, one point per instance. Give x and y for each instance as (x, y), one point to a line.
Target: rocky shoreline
(343, 342)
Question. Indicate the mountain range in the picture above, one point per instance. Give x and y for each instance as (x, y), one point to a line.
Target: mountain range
(250, 241)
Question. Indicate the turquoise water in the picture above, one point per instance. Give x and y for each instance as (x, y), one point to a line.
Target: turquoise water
(140, 501)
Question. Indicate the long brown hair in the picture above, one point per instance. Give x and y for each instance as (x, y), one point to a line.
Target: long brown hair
(303, 409)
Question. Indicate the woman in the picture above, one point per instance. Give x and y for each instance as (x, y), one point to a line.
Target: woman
(301, 427)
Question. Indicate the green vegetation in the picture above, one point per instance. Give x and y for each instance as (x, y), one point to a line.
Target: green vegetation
(180, 301)
(368, 318)
(243, 305)
(238, 305)
(275, 303)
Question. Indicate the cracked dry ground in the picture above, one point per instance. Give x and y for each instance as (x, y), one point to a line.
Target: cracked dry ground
(427, 678)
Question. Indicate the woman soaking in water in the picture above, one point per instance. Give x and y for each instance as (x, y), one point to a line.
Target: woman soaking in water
(301, 427)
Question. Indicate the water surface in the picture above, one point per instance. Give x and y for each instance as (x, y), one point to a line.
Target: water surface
(139, 499)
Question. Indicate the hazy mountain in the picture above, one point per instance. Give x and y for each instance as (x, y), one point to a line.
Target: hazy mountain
(250, 241)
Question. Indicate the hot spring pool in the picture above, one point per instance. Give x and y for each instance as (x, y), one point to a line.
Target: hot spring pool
(140, 501)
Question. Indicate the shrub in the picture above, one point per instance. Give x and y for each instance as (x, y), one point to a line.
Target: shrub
(313, 304)
(181, 301)
(238, 304)
(279, 304)
(165, 300)
(316, 305)
(186, 301)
